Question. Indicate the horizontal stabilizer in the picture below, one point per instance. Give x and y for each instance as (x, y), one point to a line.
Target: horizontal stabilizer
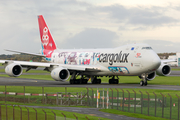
(28, 53)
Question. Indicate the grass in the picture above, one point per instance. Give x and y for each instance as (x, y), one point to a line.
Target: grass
(135, 115)
(175, 69)
(38, 90)
(31, 71)
(39, 77)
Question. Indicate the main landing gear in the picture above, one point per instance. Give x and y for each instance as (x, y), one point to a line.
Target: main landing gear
(95, 80)
(144, 80)
(113, 80)
(82, 80)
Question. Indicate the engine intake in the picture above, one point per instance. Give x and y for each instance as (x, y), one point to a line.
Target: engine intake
(13, 70)
(163, 70)
(150, 77)
(60, 74)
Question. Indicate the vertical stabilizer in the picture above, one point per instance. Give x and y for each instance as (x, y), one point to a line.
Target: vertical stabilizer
(46, 37)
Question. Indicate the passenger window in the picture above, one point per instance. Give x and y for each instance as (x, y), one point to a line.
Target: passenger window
(147, 48)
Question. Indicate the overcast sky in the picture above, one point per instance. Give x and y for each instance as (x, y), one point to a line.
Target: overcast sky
(91, 23)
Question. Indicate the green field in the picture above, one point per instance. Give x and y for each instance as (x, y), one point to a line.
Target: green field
(175, 69)
(38, 90)
(136, 115)
(31, 71)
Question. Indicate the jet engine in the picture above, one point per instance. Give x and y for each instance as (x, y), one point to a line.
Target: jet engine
(163, 70)
(151, 76)
(13, 70)
(60, 74)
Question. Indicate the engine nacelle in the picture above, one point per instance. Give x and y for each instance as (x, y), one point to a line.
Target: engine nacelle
(13, 70)
(163, 70)
(150, 77)
(60, 74)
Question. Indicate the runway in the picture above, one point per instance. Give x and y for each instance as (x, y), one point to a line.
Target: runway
(46, 83)
(175, 73)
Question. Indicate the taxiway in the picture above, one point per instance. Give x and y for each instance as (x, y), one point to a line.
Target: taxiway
(47, 83)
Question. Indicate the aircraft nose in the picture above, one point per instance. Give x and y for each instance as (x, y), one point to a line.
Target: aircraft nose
(156, 61)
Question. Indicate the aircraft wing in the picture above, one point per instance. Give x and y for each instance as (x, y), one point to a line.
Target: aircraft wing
(16, 51)
(168, 60)
(27, 64)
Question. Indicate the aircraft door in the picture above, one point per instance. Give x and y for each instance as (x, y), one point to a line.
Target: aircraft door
(137, 62)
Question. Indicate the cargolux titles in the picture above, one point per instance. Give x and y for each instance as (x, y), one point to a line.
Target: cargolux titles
(114, 57)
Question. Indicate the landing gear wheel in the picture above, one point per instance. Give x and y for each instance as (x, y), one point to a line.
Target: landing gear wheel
(71, 82)
(83, 81)
(116, 81)
(76, 81)
(145, 83)
(141, 83)
(98, 81)
(93, 82)
(110, 81)
(113, 81)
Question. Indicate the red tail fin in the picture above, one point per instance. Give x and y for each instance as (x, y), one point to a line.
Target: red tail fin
(46, 38)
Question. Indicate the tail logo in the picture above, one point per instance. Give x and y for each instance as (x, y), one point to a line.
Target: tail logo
(45, 37)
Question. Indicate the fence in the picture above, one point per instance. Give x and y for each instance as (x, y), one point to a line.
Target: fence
(164, 106)
(11, 112)
(136, 102)
(56, 98)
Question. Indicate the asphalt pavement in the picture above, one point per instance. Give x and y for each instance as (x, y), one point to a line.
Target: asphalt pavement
(90, 111)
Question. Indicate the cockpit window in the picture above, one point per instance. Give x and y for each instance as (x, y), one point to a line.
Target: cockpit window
(147, 48)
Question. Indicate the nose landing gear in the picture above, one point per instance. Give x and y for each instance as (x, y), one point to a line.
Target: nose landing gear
(144, 80)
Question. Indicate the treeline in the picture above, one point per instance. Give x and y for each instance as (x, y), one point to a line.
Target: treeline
(21, 57)
(165, 55)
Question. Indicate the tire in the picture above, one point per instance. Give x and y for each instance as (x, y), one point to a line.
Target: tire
(145, 83)
(110, 81)
(98, 81)
(117, 81)
(71, 82)
(93, 82)
(84, 81)
(76, 81)
(141, 83)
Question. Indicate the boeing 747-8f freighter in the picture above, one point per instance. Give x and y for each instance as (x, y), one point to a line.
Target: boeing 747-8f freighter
(129, 60)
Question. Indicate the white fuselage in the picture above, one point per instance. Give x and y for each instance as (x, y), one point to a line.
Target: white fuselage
(129, 60)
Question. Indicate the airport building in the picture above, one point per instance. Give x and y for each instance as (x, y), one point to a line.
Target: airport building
(172, 57)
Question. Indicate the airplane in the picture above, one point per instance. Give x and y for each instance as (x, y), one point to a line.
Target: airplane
(128, 60)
